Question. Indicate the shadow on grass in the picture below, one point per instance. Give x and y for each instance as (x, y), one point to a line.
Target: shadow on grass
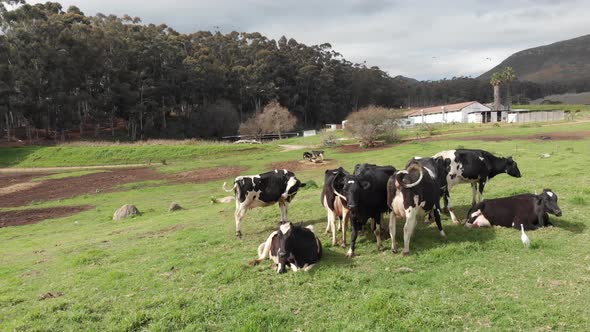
(574, 227)
(13, 155)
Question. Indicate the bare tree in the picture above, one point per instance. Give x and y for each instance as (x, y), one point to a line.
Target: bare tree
(274, 119)
(372, 123)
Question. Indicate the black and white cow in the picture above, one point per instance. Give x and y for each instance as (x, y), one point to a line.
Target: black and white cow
(334, 204)
(412, 193)
(307, 156)
(291, 246)
(474, 167)
(437, 168)
(365, 193)
(278, 186)
(527, 209)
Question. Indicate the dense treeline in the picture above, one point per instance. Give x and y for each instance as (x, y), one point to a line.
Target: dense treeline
(62, 70)
(66, 73)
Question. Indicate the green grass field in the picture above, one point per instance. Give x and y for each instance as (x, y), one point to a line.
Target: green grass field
(185, 270)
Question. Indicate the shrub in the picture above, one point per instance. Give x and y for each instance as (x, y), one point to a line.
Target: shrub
(329, 139)
(372, 123)
(274, 119)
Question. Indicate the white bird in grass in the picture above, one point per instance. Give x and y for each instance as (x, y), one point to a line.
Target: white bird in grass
(524, 238)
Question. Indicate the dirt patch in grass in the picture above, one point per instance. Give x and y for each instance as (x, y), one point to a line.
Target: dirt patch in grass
(8, 179)
(354, 148)
(33, 216)
(108, 181)
(205, 174)
(301, 165)
(557, 136)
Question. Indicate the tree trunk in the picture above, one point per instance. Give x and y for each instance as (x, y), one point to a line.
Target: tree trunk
(497, 100)
(508, 97)
(7, 127)
(113, 122)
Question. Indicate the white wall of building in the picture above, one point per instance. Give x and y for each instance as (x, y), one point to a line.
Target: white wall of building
(471, 113)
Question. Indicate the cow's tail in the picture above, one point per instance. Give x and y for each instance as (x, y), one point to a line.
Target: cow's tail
(391, 190)
(231, 189)
(419, 168)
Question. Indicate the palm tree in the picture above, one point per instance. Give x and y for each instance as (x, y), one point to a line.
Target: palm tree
(508, 76)
(496, 80)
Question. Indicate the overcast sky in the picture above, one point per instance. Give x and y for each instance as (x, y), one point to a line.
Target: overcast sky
(426, 39)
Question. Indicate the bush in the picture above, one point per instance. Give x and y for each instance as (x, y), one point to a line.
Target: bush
(329, 139)
(372, 123)
(274, 119)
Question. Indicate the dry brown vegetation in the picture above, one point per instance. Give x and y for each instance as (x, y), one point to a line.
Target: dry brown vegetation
(373, 123)
(274, 119)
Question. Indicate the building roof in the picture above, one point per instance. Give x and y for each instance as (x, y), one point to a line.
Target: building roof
(438, 109)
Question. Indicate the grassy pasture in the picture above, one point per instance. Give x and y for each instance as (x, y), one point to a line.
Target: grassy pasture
(185, 270)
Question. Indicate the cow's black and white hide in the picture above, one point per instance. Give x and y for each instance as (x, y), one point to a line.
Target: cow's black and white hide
(412, 193)
(527, 209)
(307, 156)
(437, 168)
(365, 193)
(335, 203)
(292, 246)
(476, 167)
(278, 186)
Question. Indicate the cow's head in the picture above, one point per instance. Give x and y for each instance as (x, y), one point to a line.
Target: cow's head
(293, 185)
(512, 168)
(548, 200)
(285, 246)
(352, 189)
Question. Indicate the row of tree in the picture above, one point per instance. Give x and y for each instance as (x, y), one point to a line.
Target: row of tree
(63, 73)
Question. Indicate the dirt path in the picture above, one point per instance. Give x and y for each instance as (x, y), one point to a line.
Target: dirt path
(108, 181)
(287, 147)
(66, 168)
(33, 216)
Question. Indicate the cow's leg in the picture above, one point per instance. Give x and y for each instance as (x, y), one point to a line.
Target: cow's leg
(284, 205)
(446, 200)
(436, 212)
(411, 214)
(449, 207)
(377, 231)
(473, 193)
(339, 228)
(330, 215)
(392, 230)
(541, 218)
(482, 185)
(345, 220)
(239, 215)
(356, 227)
(264, 249)
(331, 221)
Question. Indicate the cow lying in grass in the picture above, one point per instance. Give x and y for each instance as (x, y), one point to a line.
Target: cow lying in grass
(291, 246)
(528, 210)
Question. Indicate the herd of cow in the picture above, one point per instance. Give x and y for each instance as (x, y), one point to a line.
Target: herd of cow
(370, 191)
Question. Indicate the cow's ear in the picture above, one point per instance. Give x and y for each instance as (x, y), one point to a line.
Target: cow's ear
(510, 159)
(303, 184)
(365, 184)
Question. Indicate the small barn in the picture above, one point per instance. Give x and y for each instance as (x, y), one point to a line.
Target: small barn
(471, 111)
(526, 115)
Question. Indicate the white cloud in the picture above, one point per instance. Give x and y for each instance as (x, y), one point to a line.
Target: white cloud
(429, 39)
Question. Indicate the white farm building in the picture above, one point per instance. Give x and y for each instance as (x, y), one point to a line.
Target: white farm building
(468, 112)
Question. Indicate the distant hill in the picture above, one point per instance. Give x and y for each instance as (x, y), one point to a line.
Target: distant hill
(564, 61)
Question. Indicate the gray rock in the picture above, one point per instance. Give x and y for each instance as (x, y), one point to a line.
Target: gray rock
(125, 211)
(174, 207)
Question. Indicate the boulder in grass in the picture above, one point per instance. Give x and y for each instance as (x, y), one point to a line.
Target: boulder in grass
(125, 211)
(174, 207)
